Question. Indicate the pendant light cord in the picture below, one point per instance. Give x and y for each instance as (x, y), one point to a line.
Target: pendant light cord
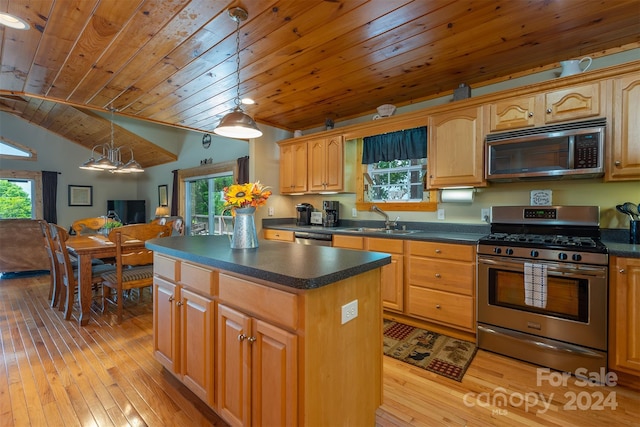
(237, 101)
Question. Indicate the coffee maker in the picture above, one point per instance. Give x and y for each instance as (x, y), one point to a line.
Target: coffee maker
(304, 214)
(331, 210)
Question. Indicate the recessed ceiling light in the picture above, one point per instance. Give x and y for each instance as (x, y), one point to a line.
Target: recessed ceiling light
(13, 21)
(248, 101)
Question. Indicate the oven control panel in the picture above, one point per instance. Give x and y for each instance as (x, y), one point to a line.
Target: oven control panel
(540, 213)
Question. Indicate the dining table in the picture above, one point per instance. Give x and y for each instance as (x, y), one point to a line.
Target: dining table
(86, 248)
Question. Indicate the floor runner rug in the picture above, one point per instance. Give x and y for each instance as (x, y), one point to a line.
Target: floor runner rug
(441, 354)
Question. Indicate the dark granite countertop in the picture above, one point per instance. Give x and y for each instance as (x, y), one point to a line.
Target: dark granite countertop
(615, 239)
(295, 266)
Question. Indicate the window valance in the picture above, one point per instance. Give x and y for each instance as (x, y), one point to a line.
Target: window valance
(400, 145)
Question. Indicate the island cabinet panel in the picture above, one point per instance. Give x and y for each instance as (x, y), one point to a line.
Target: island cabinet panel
(261, 355)
(257, 371)
(441, 283)
(624, 319)
(392, 275)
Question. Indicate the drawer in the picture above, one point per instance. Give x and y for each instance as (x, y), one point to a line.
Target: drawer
(264, 302)
(169, 268)
(282, 235)
(444, 275)
(198, 278)
(390, 246)
(443, 250)
(348, 242)
(443, 307)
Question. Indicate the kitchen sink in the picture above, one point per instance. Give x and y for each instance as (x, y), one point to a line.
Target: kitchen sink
(377, 230)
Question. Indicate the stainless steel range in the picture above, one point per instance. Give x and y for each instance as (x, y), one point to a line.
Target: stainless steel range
(542, 286)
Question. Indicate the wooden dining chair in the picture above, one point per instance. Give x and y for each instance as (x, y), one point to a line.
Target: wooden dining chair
(134, 266)
(68, 276)
(54, 268)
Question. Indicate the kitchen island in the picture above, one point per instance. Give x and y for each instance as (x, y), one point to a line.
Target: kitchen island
(278, 335)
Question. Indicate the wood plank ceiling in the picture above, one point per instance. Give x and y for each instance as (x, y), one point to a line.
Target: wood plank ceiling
(173, 61)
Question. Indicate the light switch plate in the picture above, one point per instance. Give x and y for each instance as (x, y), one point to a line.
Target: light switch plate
(440, 213)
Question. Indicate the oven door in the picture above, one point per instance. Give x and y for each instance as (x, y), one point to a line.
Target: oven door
(575, 310)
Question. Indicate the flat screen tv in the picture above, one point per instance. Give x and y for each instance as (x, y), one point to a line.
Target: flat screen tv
(129, 211)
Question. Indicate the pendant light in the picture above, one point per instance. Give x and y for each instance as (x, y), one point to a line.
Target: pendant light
(237, 124)
(111, 157)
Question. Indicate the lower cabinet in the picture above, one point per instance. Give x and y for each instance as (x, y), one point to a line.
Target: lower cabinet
(624, 315)
(257, 371)
(441, 283)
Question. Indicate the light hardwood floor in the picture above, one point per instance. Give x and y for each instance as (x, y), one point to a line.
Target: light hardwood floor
(54, 373)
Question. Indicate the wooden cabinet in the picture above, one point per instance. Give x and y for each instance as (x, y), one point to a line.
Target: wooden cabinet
(293, 167)
(281, 235)
(326, 163)
(455, 149)
(184, 324)
(573, 103)
(257, 365)
(624, 315)
(392, 275)
(623, 154)
(348, 242)
(441, 283)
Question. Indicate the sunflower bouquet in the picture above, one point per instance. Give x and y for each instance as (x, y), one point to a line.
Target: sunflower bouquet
(252, 194)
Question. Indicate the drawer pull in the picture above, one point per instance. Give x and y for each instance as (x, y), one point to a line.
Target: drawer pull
(438, 275)
(622, 271)
(251, 339)
(243, 337)
(179, 303)
(438, 306)
(438, 251)
(171, 298)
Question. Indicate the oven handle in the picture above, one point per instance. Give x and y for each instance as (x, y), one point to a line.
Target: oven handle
(566, 348)
(575, 269)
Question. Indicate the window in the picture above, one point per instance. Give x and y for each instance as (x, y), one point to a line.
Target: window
(203, 202)
(395, 181)
(20, 194)
(12, 150)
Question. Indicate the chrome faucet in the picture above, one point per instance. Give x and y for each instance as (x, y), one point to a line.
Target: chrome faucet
(387, 223)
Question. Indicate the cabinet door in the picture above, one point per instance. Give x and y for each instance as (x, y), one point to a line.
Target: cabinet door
(573, 103)
(512, 113)
(455, 148)
(325, 160)
(625, 314)
(196, 344)
(293, 168)
(281, 235)
(165, 324)
(233, 376)
(392, 284)
(624, 153)
(274, 376)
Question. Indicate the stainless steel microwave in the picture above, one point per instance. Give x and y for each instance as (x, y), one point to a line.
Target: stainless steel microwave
(570, 150)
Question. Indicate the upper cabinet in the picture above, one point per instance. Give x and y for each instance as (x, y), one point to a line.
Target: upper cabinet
(317, 165)
(293, 167)
(623, 155)
(573, 103)
(326, 160)
(455, 148)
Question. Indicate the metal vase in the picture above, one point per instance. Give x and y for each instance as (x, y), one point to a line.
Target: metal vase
(244, 235)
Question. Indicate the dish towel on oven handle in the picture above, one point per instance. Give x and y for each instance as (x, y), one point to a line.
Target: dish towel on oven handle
(535, 285)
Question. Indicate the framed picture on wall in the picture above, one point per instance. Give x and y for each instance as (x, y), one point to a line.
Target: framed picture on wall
(162, 195)
(80, 195)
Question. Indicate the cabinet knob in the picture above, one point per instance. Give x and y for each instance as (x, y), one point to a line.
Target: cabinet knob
(549, 110)
(530, 113)
(241, 337)
(438, 251)
(171, 298)
(438, 306)
(179, 303)
(622, 271)
(438, 275)
(617, 162)
(251, 339)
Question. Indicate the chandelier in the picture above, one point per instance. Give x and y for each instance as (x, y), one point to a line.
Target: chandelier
(111, 157)
(237, 124)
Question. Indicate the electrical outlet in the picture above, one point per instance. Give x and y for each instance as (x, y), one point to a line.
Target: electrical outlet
(349, 311)
(485, 214)
(354, 212)
(271, 211)
(440, 213)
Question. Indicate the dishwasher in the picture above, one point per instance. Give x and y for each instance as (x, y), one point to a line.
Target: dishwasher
(313, 239)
